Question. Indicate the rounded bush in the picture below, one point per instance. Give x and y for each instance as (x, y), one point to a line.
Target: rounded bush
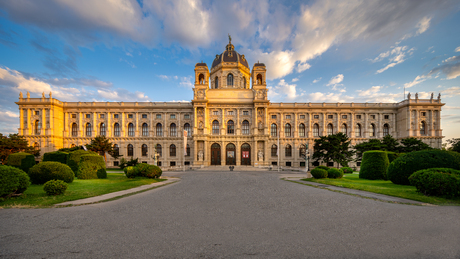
(334, 173)
(149, 171)
(55, 187)
(45, 171)
(392, 156)
(347, 170)
(101, 173)
(74, 159)
(56, 156)
(131, 171)
(21, 160)
(319, 173)
(323, 167)
(443, 182)
(374, 165)
(24, 181)
(90, 165)
(402, 167)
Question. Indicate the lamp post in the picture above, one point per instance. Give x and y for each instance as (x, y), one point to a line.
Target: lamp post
(307, 154)
(155, 156)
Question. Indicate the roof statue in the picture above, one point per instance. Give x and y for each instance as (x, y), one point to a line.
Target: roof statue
(20, 95)
(229, 38)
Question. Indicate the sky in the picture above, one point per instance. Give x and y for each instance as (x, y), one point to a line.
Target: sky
(314, 51)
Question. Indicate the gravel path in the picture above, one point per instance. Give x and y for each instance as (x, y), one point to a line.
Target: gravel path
(233, 215)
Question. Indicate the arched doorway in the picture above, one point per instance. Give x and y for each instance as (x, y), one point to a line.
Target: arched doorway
(215, 154)
(230, 153)
(245, 154)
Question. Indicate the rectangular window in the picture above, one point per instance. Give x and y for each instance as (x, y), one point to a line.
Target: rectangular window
(423, 113)
(315, 116)
(187, 116)
(130, 116)
(74, 116)
(330, 116)
(302, 116)
(101, 116)
(387, 117)
(37, 113)
(230, 112)
(187, 163)
(288, 163)
(344, 116)
(274, 163)
(115, 163)
(159, 163)
(373, 117)
(144, 116)
(88, 116)
(172, 116)
(245, 112)
(158, 116)
(215, 113)
(288, 117)
(273, 116)
(115, 116)
(358, 117)
(302, 164)
(172, 163)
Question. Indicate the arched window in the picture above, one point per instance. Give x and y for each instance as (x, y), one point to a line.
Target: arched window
(116, 150)
(230, 127)
(74, 130)
(215, 127)
(274, 150)
(244, 82)
(315, 130)
(422, 128)
(302, 130)
(131, 130)
(130, 150)
(159, 130)
(358, 130)
(172, 150)
(188, 150)
(116, 130)
(343, 129)
(230, 80)
(36, 146)
(245, 127)
(37, 127)
(216, 82)
(172, 130)
(144, 150)
(88, 129)
(372, 130)
(287, 130)
(201, 79)
(259, 79)
(273, 130)
(188, 129)
(288, 151)
(330, 129)
(158, 148)
(302, 151)
(145, 130)
(102, 129)
(386, 129)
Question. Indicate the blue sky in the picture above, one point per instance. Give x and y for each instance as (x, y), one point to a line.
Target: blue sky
(315, 51)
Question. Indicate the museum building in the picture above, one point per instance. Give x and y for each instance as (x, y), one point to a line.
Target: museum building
(230, 121)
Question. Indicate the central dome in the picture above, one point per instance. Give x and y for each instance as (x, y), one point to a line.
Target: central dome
(230, 55)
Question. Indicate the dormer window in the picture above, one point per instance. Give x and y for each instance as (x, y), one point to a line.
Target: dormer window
(216, 82)
(230, 80)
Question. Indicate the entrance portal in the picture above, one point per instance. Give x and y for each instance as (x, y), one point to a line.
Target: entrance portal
(215, 154)
(231, 150)
(245, 154)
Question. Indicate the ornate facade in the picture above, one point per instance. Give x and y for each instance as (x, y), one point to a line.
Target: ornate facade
(230, 121)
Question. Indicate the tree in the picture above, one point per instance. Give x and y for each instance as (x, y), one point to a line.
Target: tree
(372, 144)
(390, 144)
(15, 143)
(333, 147)
(102, 145)
(455, 144)
(412, 144)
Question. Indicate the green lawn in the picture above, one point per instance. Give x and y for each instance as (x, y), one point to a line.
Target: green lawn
(352, 181)
(34, 196)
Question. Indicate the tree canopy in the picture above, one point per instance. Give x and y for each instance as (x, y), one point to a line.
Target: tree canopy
(102, 145)
(15, 143)
(333, 147)
(455, 144)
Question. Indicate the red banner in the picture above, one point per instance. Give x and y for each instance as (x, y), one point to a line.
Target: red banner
(245, 154)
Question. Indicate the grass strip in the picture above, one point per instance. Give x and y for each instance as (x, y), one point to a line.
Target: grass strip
(352, 181)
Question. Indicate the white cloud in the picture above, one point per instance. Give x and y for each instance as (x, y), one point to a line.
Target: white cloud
(423, 25)
(317, 80)
(328, 97)
(129, 54)
(131, 64)
(122, 95)
(302, 67)
(295, 80)
(374, 94)
(336, 80)
(451, 92)
(457, 49)
(395, 56)
(416, 81)
(186, 81)
(16, 79)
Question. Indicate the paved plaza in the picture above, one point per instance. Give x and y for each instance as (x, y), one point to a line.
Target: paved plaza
(233, 215)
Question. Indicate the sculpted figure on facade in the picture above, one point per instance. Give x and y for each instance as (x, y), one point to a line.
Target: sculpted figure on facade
(260, 156)
(200, 155)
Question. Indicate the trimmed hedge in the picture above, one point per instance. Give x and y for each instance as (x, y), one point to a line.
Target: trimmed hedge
(21, 160)
(131, 171)
(404, 166)
(334, 173)
(319, 173)
(55, 187)
(392, 156)
(347, 170)
(374, 165)
(91, 167)
(12, 180)
(45, 171)
(323, 167)
(149, 171)
(56, 156)
(443, 182)
(74, 159)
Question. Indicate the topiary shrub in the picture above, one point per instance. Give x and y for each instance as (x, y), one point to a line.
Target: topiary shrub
(392, 156)
(90, 165)
(12, 181)
(56, 156)
(323, 167)
(21, 160)
(443, 182)
(402, 167)
(374, 165)
(24, 181)
(334, 173)
(45, 171)
(74, 159)
(319, 173)
(55, 187)
(101, 173)
(149, 171)
(347, 170)
(131, 171)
